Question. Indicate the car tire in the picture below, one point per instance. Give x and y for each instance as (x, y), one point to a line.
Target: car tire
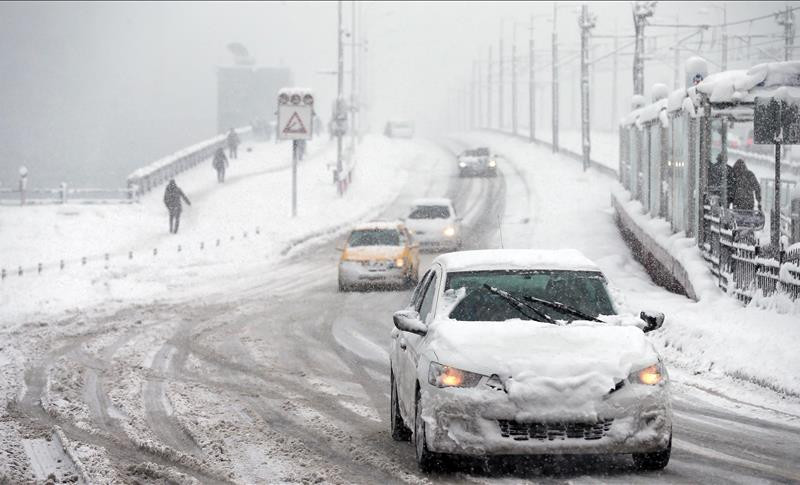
(427, 461)
(653, 461)
(400, 431)
(342, 287)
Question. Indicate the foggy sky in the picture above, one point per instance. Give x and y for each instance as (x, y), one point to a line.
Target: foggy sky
(91, 91)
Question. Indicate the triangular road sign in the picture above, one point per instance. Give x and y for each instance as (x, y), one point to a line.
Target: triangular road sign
(295, 125)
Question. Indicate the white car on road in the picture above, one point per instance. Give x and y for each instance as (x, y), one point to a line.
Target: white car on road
(434, 224)
(522, 352)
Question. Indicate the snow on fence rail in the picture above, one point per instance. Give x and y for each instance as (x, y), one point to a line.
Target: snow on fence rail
(146, 178)
(64, 194)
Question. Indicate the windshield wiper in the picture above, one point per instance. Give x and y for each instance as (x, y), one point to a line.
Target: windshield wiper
(519, 305)
(564, 308)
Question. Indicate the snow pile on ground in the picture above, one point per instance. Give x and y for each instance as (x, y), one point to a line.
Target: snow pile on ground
(717, 336)
(244, 221)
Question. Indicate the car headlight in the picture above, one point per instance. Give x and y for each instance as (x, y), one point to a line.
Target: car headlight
(399, 262)
(443, 376)
(492, 163)
(462, 164)
(450, 231)
(651, 375)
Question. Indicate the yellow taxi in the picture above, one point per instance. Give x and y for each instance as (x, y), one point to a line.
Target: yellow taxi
(379, 254)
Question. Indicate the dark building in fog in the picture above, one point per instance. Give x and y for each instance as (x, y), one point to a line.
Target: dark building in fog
(246, 94)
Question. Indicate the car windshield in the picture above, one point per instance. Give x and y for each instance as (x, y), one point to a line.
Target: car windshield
(584, 291)
(430, 212)
(374, 237)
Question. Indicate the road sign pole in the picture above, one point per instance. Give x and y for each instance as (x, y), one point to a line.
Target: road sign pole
(295, 151)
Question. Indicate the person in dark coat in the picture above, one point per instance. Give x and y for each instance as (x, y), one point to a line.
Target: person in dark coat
(743, 187)
(716, 174)
(220, 163)
(172, 199)
(233, 144)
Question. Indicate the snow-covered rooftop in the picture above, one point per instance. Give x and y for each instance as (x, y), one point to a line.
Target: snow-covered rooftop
(734, 86)
(499, 259)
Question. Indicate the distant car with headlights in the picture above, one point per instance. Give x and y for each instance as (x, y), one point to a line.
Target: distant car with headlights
(522, 352)
(434, 224)
(378, 254)
(478, 161)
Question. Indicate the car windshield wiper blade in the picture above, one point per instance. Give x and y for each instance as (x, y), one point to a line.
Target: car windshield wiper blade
(564, 308)
(518, 304)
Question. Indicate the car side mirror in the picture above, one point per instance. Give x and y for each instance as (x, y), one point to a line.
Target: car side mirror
(408, 321)
(653, 320)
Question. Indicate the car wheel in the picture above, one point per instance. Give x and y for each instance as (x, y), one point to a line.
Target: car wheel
(426, 460)
(653, 461)
(342, 286)
(400, 431)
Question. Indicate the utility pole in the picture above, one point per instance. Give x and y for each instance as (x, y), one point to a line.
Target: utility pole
(677, 51)
(555, 79)
(641, 11)
(723, 122)
(514, 80)
(340, 112)
(353, 94)
(500, 79)
(472, 98)
(587, 23)
(489, 91)
(786, 19)
(478, 92)
(614, 90)
(531, 90)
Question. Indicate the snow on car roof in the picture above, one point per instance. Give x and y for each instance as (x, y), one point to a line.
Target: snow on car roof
(499, 259)
(365, 226)
(431, 201)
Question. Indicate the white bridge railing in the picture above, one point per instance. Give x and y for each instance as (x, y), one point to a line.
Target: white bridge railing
(146, 178)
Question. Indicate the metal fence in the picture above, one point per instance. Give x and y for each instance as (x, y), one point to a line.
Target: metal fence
(151, 176)
(64, 194)
(742, 266)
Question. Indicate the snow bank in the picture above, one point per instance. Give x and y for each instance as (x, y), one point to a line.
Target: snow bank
(245, 221)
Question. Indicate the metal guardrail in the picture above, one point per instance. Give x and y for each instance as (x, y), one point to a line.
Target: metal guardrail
(148, 177)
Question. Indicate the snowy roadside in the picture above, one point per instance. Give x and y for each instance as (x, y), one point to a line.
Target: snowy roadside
(716, 342)
(245, 221)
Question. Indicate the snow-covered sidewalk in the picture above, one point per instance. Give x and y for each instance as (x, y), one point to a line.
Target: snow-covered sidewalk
(715, 338)
(247, 220)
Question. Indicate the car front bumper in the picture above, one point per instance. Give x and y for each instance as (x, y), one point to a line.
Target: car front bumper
(478, 170)
(634, 419)
(354, 273)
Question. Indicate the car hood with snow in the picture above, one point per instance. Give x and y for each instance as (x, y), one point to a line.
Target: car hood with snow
(544, 364)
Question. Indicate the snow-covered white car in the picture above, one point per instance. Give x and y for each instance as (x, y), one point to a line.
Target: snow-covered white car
(522, 352)
(477, 162)
(434, 224)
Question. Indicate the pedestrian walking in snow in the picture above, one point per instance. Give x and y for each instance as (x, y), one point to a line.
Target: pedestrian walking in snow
(743, 187)
(233, 144)
(220, 163)
(172, 199)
